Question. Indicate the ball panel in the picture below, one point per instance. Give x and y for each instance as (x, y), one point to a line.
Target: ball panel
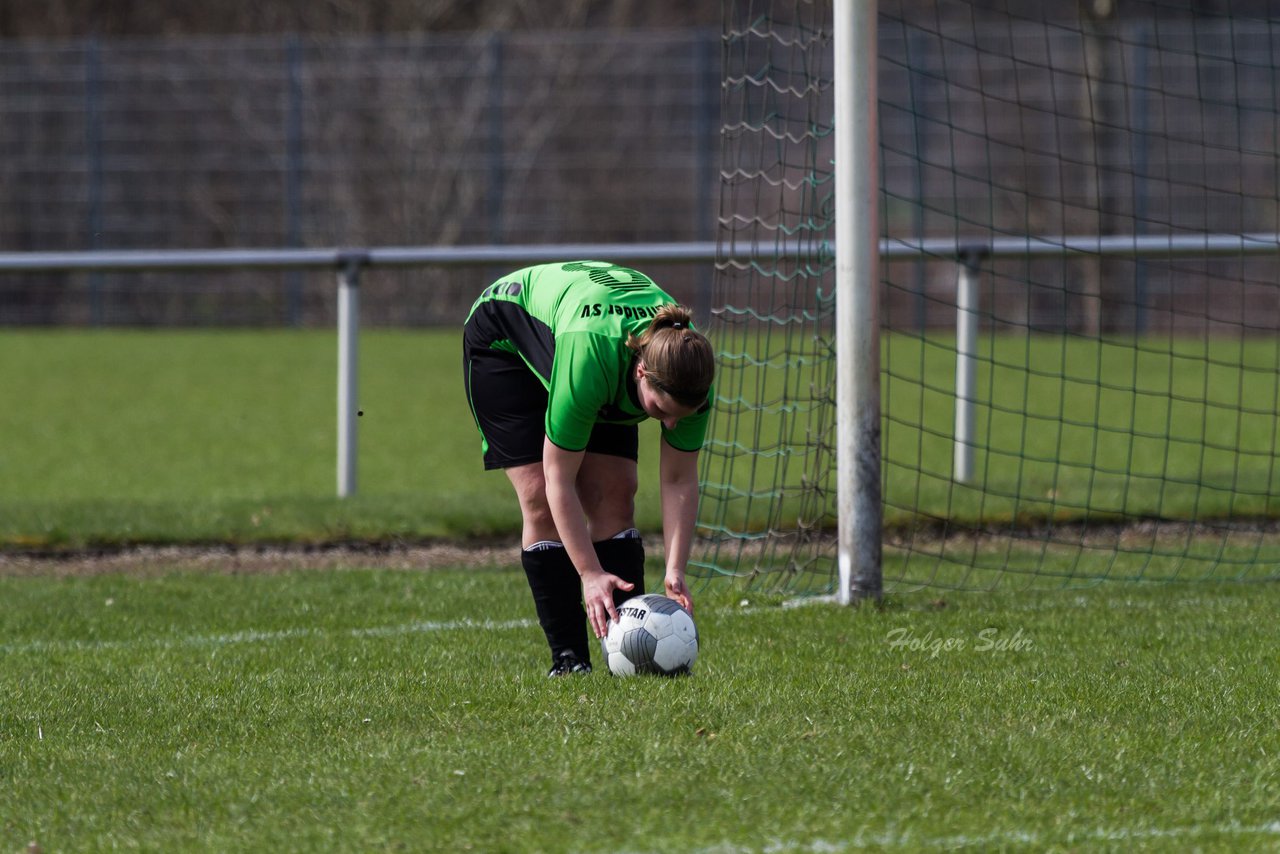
(673, 653)
(682, 625)
(634, 610)
(661, 604)
(658, 625)
(619, 665)
(638, 646)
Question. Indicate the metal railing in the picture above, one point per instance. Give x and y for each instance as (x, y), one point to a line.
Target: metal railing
(348, 263)
(970, 256)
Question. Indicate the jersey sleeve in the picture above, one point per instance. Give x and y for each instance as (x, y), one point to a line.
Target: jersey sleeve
(583, 374)
(691, 431)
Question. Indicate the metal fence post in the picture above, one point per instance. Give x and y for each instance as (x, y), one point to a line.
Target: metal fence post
(93, 121)
(348, 364)
(969, 267)
(293, 172)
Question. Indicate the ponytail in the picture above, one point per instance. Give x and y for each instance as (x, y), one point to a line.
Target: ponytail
(677, 358)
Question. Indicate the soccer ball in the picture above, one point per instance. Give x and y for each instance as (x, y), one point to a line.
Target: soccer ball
(652, 634)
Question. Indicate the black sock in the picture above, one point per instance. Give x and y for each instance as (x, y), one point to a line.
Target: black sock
(623, 556)
(557, 597)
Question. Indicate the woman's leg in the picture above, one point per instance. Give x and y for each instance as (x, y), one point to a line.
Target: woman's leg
(607, 487)
(553, 580)
(530, 484)
(509, 404)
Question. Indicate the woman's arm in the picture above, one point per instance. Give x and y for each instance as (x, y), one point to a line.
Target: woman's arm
(679, 479)
(560, 470)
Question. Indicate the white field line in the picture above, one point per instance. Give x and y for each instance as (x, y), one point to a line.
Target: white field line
(253, 636)
(425, 627)
(912, 840)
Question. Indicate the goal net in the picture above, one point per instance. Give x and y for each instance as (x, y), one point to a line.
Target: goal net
(1080, 366)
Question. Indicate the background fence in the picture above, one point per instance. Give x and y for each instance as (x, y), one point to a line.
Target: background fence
(1153, 124)
(611, 136)
(292, 142)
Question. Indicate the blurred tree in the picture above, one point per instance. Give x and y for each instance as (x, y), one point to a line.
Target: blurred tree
(72, 18)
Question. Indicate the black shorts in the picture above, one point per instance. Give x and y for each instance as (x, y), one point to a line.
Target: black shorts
(510, 408)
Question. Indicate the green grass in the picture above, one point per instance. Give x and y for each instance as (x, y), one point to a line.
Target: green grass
(1071, 428)
(122, 437)
(358, 709)
(118, 437)
(362, 710)
(1066, 429)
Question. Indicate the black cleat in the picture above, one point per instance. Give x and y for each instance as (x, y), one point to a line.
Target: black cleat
(568, 662)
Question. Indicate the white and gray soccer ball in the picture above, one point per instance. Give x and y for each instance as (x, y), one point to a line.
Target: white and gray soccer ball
(652, 634)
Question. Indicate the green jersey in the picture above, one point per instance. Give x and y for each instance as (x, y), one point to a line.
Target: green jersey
(570, 322)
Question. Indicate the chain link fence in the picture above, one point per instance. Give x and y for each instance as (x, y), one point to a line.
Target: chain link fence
(615, 136)
(1152, 124)
(247, 142)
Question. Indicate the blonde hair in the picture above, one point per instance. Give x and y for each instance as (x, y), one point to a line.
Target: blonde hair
(678, 360)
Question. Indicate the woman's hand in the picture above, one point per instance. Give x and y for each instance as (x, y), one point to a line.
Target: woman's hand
(597, 598)
(679, 591)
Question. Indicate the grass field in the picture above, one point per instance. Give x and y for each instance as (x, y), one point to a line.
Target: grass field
(119, 437)
(128, 437)
(1072, 428)
(200, 707)
(365, 710)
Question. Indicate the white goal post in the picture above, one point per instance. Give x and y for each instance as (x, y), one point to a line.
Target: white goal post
(857, 197)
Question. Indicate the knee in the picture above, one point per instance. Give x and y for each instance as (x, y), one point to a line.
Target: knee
(538, 521)
(535, 511)
(610, 507)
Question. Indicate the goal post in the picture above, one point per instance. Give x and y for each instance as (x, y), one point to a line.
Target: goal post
(857, 325)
